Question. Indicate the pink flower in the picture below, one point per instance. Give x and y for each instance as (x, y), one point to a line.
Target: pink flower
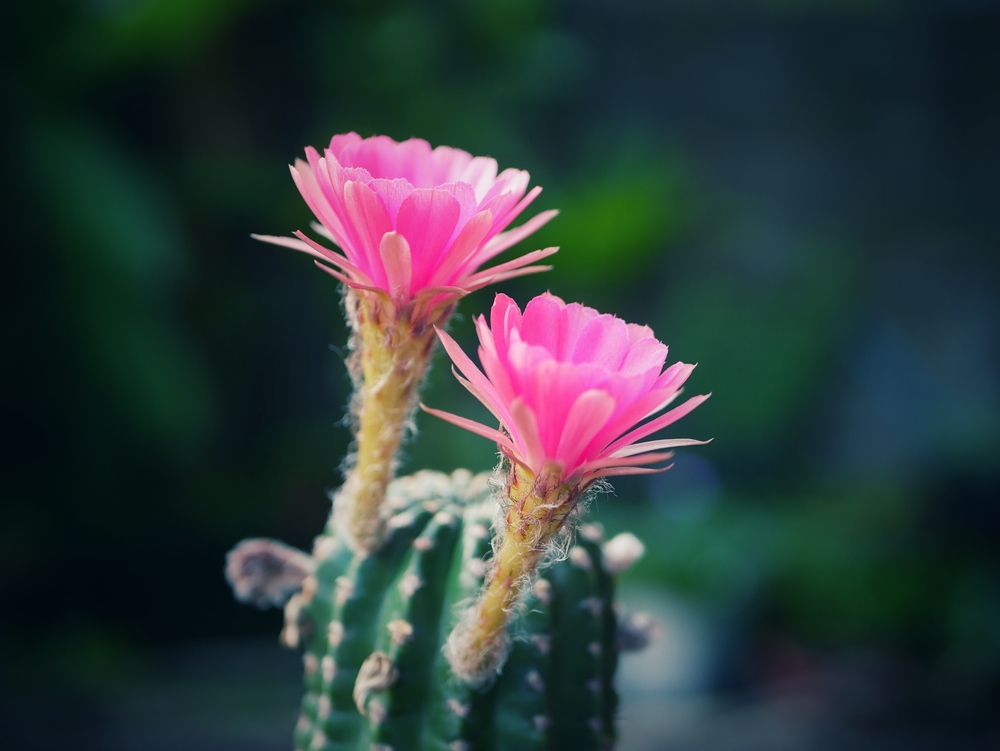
(570, 388)
(414, 224)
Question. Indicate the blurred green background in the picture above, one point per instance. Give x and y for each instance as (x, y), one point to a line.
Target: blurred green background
(800, 195)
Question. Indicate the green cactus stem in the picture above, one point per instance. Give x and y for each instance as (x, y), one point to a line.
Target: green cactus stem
(373, 625)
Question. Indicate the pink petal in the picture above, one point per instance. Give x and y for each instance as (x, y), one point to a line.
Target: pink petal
(413, 160)
(448, 164)
(644, 357)
(524, 432)
(647, 405)
(465, 244)
(288, 242)
(633, 461)
(466, 197)
(392, 193)
(603, 341)
(504, 268)
(673, 377)
(660, 422)
(383, 157)
(427, 219)
(666, 443)
(395, 254)
(316, 200)
(330, 178)
(508, 239)
(553, 387)
(306, 245)
(475, 392)
(504, 316)
(493, 365)
(480, 173)
(637, 333)
(334, 258)
(482, 281)
(618, 471)
(336, 274)
(510, 183)
(369, 221)
(585, 418)
(341, 142)
(470, 425)
(503, 221)
(470, 371)
(322, 231)
(540, 323)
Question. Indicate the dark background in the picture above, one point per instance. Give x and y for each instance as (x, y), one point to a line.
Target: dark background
(800, 195)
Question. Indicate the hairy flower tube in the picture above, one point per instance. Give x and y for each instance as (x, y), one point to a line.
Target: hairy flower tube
(415, 225)
(575, 393)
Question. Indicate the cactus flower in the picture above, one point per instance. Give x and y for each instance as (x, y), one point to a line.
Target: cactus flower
(415, 225)
(575, 393)
(569, 387)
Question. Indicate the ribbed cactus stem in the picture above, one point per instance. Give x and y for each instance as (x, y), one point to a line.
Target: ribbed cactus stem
(389, 359)
(372, 625)
(537, 508)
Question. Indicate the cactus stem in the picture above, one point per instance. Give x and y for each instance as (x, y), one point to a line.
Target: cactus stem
(389, 359)
(537, 509)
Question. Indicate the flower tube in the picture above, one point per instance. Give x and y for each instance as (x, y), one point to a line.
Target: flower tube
(575, 393)
(415, 226)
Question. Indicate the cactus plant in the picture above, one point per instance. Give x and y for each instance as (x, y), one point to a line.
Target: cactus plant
(372, 627)
(429, 616)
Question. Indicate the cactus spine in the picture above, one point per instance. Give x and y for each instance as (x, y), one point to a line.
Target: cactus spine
(373, 626)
